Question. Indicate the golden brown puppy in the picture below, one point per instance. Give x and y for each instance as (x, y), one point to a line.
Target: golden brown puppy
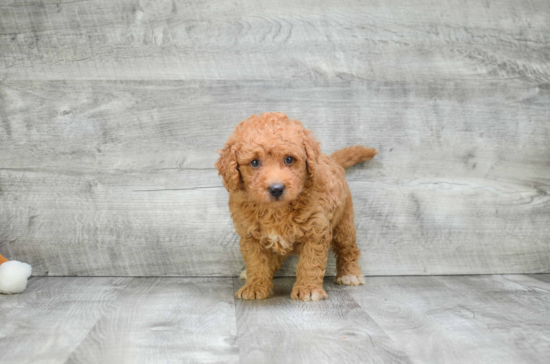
(286, 197)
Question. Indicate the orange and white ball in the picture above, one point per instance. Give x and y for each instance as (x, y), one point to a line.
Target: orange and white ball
(13, 275)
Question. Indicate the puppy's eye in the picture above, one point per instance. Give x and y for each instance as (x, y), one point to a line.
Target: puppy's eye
(289, 160)
(255, 163)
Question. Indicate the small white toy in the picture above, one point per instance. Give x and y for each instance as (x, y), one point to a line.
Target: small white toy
(13, 275)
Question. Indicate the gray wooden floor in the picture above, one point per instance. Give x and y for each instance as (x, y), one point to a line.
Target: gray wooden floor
(413, 319)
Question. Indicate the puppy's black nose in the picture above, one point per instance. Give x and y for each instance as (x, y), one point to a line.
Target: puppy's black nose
(276, 190)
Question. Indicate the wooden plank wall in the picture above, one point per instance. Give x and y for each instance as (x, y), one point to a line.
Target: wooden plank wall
(111, 113)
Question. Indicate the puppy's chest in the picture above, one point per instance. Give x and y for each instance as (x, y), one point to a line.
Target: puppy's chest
(279, 242)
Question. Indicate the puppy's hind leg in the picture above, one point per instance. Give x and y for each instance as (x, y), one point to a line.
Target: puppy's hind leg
(344, 245)
(276, 263)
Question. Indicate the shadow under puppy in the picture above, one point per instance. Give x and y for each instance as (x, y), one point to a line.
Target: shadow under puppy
(286, 197)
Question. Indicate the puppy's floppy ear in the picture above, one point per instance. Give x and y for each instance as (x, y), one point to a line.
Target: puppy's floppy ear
(228, 168)
(313, 151)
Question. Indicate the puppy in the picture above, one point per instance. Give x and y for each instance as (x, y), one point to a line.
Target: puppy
(286, 197)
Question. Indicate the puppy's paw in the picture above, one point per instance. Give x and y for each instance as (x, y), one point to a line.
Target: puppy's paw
(253, 292)
(243, 275)
(308, 294)
(350, 280)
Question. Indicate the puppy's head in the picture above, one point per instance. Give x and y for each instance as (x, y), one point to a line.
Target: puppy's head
(270, 158)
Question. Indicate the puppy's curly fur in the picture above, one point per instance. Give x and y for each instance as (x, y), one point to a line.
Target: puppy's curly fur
(313, 212)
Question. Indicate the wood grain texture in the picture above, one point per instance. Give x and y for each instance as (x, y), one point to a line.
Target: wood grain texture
(165, 320)
(451, 319)
(489, 319)
(515, 308)
(47, 322)
(123, 172)
(281, 330)
(110, 113)
(545, 278)
(283, 39)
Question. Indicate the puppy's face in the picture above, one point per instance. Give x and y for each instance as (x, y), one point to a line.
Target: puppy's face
(268, 157)
(274, 173)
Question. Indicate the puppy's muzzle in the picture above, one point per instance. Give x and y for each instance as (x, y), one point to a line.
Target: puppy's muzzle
(276, 190)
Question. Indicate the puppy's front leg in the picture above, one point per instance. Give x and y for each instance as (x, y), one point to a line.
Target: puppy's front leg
(259, 273)
(311, 268)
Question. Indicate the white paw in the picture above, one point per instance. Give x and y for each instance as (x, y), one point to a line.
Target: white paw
(350, 280)
(243, 275)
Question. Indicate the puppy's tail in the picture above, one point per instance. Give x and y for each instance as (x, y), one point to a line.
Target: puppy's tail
(349, 156)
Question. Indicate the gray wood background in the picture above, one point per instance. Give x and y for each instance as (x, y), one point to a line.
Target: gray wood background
(111, 113)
